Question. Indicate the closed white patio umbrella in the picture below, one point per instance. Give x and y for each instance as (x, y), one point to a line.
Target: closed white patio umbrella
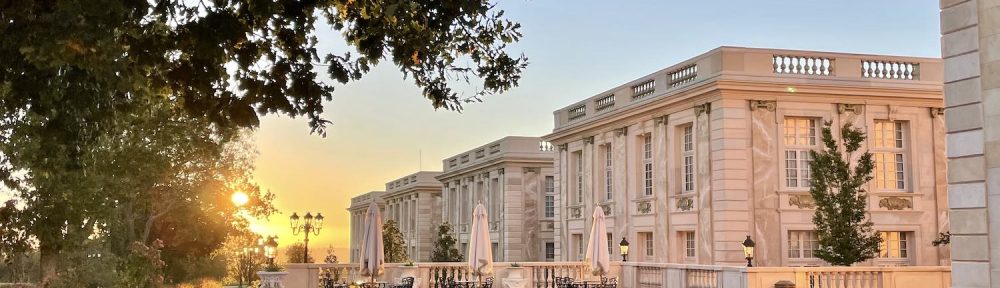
(372, 254)
(598, 258)
(480, 252)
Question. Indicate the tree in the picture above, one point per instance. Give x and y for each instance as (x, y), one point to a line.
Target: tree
(70, 91)
(842, 224)
(295, 253)
(245, 258)
(444, 247)
(393, 243)
(333, 274)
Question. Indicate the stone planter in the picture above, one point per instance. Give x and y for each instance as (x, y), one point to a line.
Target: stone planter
(272, 279)
(515, 272)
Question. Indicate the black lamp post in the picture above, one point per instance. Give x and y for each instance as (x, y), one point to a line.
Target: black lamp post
(623, 246)
(311, 225)
(748, 251)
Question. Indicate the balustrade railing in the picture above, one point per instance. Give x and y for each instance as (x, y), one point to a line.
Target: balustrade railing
(545, 274)
(784, 64)
(845, 279)
(701, 278)
(442, 273)
(649, 277)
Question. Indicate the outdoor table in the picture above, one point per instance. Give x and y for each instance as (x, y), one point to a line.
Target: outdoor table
(467, 284)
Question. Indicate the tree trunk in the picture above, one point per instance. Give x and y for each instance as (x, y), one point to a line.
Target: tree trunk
(48, 260)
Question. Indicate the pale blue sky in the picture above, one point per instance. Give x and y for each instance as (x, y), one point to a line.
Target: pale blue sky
(576, 49)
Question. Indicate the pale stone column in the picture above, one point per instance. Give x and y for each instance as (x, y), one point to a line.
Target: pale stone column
(589, 201)
(622, 197)
(703, 183)
(765, 199)
(971, 51)
(730, 176)
(562, 188)
(529, 224)
(660, 205)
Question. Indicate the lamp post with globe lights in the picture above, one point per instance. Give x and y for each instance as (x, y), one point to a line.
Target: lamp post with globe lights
(309, 225)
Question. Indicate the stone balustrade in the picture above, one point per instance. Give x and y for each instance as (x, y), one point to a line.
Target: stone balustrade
(635, 275)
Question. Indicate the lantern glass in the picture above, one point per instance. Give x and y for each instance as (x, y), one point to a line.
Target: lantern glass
(319, 220)
(623, 246)
(295, 220)
(748, 246)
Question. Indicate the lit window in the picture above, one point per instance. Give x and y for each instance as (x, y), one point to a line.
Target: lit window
(893, 245)
(608, 180)
(647, 164)
(688, 156)
(889, 152)
(800, 138)
(802, 244)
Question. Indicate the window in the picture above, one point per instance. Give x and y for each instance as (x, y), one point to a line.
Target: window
(688, 156)
(608, 179)
(550, 206)
(800, 138)
(550, 251)
(647, 238)
(578, 242)
(647, 164)
(550, 184)
(610, 249)
(579, 176)
(889, 154)
(802, 244)
(689, 244)
(495, 249)
(893, 244)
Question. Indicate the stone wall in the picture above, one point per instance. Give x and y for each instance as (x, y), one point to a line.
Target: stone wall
(970, 46)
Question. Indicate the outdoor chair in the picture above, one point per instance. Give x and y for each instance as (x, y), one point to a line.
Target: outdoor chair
(488, 283)
(609, 282)
(407, 282)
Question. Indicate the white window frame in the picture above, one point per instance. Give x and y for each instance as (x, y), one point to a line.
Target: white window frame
(550, 206)
(610, 245)
(550, 184)
(579, 176)
(647, 164)
(690, 244)
(688, 181)
(802, 241)
(647, 244)
(578, 241)
(800, 137)
(895, 248)
(550, 251)
(608, 171)
(885, 153)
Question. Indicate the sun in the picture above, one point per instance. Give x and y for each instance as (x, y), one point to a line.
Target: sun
(239, 198)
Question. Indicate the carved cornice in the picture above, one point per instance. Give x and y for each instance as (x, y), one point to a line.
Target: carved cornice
(563, 147)
(769, 105)
(531, 170)
(621, 131)
(702, 109)
(588, 140)
(857, 109)
(935, 112)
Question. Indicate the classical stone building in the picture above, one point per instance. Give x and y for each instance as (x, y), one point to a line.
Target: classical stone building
(414, 202)
(512, 177)
(970, 46)
(689, 160)
(359, 205)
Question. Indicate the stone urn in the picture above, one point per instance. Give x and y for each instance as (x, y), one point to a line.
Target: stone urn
(272, 279)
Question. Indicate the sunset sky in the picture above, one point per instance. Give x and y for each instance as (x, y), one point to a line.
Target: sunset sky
(382, 125)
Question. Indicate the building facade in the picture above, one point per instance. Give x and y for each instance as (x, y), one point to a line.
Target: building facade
(414, 202)
(970, 43)
(359, 206)
(688, 161)
(513, 178)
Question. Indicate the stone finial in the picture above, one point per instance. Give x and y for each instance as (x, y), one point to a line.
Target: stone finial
(769, 105)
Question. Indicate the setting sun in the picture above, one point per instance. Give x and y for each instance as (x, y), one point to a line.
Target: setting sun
(239, 198)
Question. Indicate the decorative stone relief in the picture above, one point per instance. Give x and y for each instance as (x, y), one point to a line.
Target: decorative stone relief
(563, 147)
(588, 140)
(575, 212)
(621, 131)
(702, 109)
(607, 209)
(660, 120)
(685, 204)
(531, 169)
(768, 105)
(803, 201)
(936, 112)
(895, 203)
(644, 207)
(857, 109)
